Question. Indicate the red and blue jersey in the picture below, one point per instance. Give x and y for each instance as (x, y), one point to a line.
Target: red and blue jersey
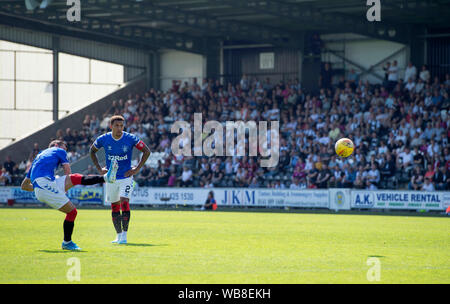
(120, 149)
(46, 162)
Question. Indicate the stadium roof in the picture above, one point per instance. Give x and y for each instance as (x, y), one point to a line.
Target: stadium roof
(196, 25)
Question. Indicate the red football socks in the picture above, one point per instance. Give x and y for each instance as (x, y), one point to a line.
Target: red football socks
(70, 217)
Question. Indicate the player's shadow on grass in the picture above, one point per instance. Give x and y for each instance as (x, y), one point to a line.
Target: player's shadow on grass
(376, 256)
(142, 244)
(60, 251)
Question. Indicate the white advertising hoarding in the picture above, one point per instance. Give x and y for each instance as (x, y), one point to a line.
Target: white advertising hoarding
(5, 194)
(77, 195)
(339, 199)
(231, 197)
(390, 199)
(334, 199)
(294, 198)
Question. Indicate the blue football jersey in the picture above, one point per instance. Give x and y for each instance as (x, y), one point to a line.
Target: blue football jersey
(46, 162)
(119, 149)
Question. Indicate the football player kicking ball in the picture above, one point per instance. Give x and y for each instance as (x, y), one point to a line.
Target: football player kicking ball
(118, 146)
(52, 191)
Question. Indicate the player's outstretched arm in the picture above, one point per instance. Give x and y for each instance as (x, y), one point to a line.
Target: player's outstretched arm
(146, 153)
(27, 185)
(92, 152)
(66, 168)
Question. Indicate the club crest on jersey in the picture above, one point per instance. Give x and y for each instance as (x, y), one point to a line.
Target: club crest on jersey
(109, 148)
(125, 149)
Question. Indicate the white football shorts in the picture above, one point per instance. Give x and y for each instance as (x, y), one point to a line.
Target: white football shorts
(51, 192)
(120, 188)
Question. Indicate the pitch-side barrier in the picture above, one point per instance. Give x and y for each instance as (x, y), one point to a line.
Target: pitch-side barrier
(334, 199)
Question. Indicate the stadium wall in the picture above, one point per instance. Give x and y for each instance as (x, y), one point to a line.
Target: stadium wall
(438, 54)
(366, 53)
(21, 149)
(177, 65)
(255, 61)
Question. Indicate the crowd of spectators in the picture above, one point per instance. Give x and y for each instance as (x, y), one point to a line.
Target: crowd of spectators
(400, 129)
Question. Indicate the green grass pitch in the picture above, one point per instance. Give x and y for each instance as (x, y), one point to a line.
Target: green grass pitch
(225, 247)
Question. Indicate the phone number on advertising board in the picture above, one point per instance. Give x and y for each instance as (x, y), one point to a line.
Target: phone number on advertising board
(174, 196)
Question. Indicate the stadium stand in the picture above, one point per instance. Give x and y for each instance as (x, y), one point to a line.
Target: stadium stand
(400, 129)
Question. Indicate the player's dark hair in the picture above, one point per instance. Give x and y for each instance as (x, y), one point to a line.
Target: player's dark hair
(115, 118)
(57, 143)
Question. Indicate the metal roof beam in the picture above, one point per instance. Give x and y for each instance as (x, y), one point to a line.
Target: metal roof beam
(209, 25)
(339, 22)
(151, 38)
(432, 9)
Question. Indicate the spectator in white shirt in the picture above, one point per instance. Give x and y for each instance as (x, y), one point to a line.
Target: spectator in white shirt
(407, 158)
(382, 148)
(204, 84)
(400, 136)
(433, 148)
(5, 177)
(390, 102)
(416, 141)
(244, 83)
(324, 139)
(295, 184)
(410, 72)
(373, 175)
(410, 85)
(419, 86)
(428, 185)
(186, 177)
(393, 75)
(425, 74)
(428, 99)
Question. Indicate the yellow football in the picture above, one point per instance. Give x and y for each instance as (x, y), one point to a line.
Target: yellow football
(344, 147)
